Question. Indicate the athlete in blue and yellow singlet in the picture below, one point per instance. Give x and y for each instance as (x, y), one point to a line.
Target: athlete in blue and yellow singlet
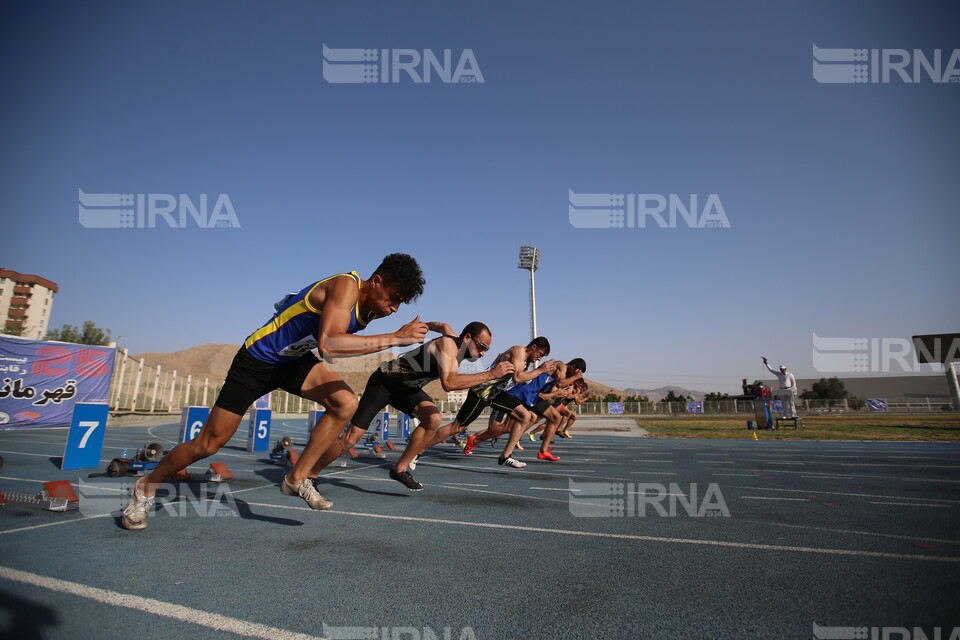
(293, 329)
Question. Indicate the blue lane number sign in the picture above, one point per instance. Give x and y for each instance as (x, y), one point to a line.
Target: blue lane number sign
(85, 438)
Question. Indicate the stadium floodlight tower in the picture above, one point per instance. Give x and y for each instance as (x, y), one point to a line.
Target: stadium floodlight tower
(530, 260)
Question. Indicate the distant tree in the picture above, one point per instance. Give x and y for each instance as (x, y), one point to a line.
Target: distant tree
(90, 334)
(824, 389)
(673, 397)
(636, 398)
(612, 397)
(714, 396)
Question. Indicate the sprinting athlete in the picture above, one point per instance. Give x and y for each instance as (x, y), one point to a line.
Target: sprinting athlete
(529, 393)
(561, 400)
(400, 383)
(492, 394)
(318, 319)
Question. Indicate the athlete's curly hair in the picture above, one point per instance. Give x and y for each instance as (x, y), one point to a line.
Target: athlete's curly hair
(403, 272)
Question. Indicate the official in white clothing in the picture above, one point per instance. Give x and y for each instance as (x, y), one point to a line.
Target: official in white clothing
(787, 393)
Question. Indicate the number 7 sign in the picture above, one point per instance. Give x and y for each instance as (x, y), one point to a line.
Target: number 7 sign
(85, 438)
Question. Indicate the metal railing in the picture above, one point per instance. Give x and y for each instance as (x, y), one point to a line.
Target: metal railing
(736, 407)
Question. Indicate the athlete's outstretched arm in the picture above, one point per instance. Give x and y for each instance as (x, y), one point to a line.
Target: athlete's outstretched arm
(442, 328)
(337, 306)
(518, 357)
(450, 377)
(563, 380)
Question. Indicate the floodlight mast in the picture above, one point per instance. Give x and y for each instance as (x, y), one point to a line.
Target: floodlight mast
(530, 260)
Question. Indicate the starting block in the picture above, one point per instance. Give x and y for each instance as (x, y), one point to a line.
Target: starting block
(54, 496)
(371, 450)
(217, 472)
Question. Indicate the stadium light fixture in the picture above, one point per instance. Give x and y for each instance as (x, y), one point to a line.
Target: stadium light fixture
(530, 260)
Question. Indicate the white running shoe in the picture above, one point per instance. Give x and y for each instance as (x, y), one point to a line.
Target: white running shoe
(413, 463)
(512, 462)
(135, 515)
(307, 491)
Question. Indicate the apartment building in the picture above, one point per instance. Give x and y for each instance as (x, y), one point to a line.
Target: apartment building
(25, 304)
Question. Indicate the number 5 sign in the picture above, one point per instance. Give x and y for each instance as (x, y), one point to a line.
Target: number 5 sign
(85, 438)
(258, 439)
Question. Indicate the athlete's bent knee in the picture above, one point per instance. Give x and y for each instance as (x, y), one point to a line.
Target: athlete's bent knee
(343, 405)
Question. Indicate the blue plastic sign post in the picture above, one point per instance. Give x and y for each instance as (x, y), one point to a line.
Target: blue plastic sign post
(85, 438)
(192, 420)
(312, 417)
(386, 427)
(258, 438)
(404, 426)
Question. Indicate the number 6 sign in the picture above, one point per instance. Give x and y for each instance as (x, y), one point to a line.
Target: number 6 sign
(191, 422)
(85, 438)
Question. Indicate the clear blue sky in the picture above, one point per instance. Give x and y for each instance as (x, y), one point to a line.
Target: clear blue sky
(843, 199)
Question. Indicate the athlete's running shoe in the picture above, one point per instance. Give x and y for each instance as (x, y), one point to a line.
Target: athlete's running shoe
(307, 491)
(510, 461)
(547, 456)
(135, 515)
(470, 445)
(404, 478)
(413, 463)
(517, 446)
(532, 439)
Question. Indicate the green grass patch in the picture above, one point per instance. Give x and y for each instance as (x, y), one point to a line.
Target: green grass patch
(889, 427)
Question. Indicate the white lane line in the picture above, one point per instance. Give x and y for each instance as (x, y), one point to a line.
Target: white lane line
(886, 464)
(37, 455)
(913, 504)
(156, 607)
(825, 477)
(664, 461)
(827, 474)
(737, 475)
(636, 538)
(773, 498)
(538, 468)
(841, 493)
(466, 484)
(865, 533)
(519, 495)
(53, 524)
(654, 473)
(550, 489)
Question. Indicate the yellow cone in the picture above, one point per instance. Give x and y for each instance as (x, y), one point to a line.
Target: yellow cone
(755, 436)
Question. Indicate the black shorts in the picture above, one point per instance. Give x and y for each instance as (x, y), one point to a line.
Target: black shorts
(379, 393)
(250, 378)
(541, 407)
(474, 406)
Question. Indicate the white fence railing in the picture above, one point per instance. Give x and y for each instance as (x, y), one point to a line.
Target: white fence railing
(141, 387)
(736, 407)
